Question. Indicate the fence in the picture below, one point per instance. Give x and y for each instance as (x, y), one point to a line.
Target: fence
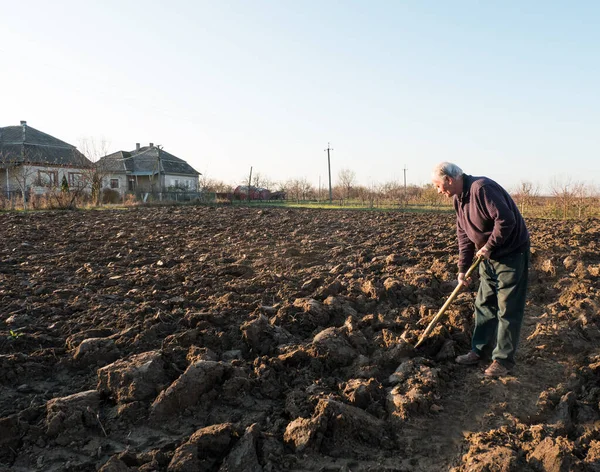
(178, 196)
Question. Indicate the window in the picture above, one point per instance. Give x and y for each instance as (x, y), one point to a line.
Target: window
(175, 182)
(48, 178)
(75, 179)
(131, 185)
(114, 183)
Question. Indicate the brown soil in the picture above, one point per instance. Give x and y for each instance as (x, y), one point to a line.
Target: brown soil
(232, 339)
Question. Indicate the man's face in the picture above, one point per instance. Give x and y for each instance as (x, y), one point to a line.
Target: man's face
(444, 185)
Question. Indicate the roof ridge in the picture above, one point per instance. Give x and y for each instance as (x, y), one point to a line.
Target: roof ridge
(16, 143)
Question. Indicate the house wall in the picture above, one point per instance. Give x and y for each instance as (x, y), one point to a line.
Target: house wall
(39, 178)
(141, 182)
(120, 180)
(189, 182)
(148, 183)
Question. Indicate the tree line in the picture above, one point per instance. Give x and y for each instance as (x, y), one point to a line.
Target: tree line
(564, 199)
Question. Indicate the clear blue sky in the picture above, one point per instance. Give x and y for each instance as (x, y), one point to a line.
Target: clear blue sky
(507, 89)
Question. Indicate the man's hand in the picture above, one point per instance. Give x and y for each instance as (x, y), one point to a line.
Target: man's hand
(462, 279)
(484, 252)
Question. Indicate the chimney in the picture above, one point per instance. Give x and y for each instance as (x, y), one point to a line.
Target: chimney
(151, 144)
(137, 146)
(24, 125)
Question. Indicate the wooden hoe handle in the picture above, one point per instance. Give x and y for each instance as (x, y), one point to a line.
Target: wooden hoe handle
(445, 306)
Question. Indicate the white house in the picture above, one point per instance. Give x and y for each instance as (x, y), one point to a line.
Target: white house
(147, 169)
(33, 161)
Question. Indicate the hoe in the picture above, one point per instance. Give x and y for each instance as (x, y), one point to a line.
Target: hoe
(445, 306)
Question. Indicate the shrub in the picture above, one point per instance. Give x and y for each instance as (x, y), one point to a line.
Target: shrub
(110, 196)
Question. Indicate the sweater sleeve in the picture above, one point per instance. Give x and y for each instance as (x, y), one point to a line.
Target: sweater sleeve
(466, 248)
(495, 205)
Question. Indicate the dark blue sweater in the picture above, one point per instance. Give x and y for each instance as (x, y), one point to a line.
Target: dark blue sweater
(487, 215)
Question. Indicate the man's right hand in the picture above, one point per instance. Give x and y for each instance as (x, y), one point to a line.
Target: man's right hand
(462, 279)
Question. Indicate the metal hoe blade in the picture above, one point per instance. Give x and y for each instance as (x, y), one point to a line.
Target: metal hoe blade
(445, 306)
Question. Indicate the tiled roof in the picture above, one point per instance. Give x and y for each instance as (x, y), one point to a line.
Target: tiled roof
(145, 161)
(26, 144)
(116, 162)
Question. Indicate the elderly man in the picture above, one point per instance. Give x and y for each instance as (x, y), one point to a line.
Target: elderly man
(489, 225)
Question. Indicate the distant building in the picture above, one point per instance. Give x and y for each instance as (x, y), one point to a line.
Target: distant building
(245, 192)
(33, 161)
(147, 169)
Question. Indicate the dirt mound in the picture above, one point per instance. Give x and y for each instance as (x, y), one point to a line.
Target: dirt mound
(233, 339)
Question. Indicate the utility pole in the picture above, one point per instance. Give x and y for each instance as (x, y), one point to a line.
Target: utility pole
(405, 199)
(160, 177)
(249, 183)
(329, 167)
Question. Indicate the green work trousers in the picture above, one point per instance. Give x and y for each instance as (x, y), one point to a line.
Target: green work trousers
(500, 305)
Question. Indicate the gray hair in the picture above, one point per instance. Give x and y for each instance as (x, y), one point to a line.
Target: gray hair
(446, 169)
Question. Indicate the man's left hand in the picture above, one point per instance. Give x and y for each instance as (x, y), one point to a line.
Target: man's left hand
(484, 252)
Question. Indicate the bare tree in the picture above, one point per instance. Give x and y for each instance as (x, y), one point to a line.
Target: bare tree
(280, 186)
(526, 194)
(562, 191)
(268, 183)
(306, 188)
(362, 193)
(376, 195)
(583, 197)
(298, 189)
(338, 193)
(93, 177)
(259, 180)
(396, 192)
(62, 197)
(20, 172)
(23, 175)
(293, 188)
(208, 184)
(370, 195)
(412, 193)
(347, 179)
(430, 196)
(392, 190)
(245, 180)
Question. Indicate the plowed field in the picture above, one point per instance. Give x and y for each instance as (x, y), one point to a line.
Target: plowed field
(232, 339)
